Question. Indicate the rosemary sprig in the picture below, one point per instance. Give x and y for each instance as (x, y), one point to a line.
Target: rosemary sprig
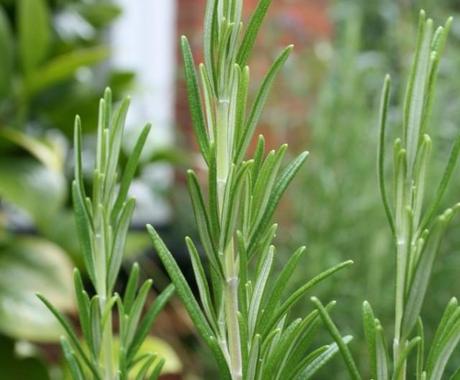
(241, 313)
(417, 228)
(103, 221)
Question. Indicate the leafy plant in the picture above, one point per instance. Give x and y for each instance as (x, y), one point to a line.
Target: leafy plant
(417, 230)
(102, 222)
(242, 314)
(40, 90)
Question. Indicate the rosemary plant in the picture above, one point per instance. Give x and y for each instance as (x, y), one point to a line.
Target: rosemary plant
(102, 222)
(241, 313)
(417, 228)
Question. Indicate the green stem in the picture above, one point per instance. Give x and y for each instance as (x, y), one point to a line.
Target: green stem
(107, 344)
(231, 313)
(223, 155)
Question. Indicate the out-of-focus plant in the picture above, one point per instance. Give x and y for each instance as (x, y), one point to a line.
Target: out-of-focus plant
(416, 227)
(51, 55)
(103, 220)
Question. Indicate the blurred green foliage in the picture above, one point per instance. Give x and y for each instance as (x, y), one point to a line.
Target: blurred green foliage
(53, 65)
(336, 205)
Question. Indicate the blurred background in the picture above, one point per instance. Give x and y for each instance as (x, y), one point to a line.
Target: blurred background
(56, 58)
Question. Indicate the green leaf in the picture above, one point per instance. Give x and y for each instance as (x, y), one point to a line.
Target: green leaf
(322, 358)
(131, 287)
(151, 346)
(34, 33)
(416, 97)
(120, 234)
(64, 67)
(84, 226)
(259, 103)
(419, 285)
(281, 283)
(7, 54)
(147, 322)
(135, 313)
(96, 327)
(399, 367)
(71, 335)
(202, 283)
(202, 221)
(47, 154)
(259, 291)
(74, 366)
(444, 183)
(99, 14)
(184, 292)
(445, 340)
(344, 350)
(83, 305)
(129, 171)
(281, 185)
(28, 265)
(385, 99)
(381, 354)
(194, 99)
(32, 187)
(300, 292)
(370, 331)
(251, 32)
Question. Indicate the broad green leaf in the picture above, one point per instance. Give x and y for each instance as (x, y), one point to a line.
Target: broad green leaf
(32, 187)
(34, 33)
(100, 13)
(7, 54)
(64, 67)
(29, 265)
(41, 150)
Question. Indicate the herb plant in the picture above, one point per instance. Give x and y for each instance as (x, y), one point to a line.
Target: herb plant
(417, 229)
(241, 313)
(103, 221)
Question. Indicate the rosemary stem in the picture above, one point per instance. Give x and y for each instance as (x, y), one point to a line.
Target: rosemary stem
(231, 312)
(231, 270)
(107, 344)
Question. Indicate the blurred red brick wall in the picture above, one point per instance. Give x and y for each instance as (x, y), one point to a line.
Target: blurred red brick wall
(298, 22)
